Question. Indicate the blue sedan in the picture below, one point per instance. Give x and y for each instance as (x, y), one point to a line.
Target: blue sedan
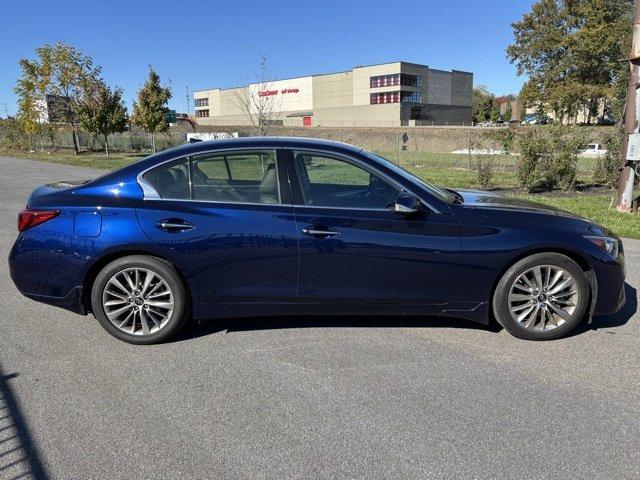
(291, 226)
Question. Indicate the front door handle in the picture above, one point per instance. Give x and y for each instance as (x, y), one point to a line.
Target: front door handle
(319, 232)
(174, 225)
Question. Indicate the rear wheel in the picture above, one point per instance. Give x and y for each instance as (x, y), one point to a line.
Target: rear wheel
(139, 299)
(541, 297)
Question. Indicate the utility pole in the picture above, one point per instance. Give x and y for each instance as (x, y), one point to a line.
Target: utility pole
(6, 112)
(627, 168)
(187, 97)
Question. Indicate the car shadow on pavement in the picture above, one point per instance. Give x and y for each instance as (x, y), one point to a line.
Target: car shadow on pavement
(19, 457)
(194, 330)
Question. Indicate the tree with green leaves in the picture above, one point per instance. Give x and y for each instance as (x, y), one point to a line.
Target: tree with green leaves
(482, 103)
(59, 70)
(571, 50)
(150, 108)
(101, 111)
(494, 114)
(508, 112)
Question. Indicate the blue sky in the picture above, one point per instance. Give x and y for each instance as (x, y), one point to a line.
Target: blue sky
(217, 44)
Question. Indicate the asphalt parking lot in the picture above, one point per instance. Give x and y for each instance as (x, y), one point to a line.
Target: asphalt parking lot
(304, 398)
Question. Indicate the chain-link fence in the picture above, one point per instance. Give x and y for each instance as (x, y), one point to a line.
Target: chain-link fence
(453, 155)
(127, 142)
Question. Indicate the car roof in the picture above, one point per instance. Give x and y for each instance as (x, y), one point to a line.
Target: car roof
(195, 148)
(243, 142)
(260, 142)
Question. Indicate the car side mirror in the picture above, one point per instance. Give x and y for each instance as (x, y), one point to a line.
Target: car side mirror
(407, 203)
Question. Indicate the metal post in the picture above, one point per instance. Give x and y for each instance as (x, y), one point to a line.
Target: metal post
(469, 150)
(398, 148)
(627, 173)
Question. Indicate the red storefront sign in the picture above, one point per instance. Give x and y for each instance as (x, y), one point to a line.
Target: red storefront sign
(268, 93)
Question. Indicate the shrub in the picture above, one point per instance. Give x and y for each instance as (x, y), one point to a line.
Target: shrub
(533, 150)
(13, 136)
(565, 143)
(484, 170)
(608, 166)
(549, 157)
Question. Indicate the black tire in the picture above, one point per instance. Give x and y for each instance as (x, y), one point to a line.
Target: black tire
(165, 270)
(502, 311)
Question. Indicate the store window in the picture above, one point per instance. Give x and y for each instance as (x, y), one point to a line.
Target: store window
(202, 113)
(202, 102)
(384, 97)
(410, 80)
(411, 97)
(385, 80)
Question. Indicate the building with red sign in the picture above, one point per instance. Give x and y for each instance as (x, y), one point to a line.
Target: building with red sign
(384, 95)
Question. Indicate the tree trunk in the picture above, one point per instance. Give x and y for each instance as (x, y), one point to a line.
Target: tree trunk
(76, 148)
(153, 143)
(106, 144)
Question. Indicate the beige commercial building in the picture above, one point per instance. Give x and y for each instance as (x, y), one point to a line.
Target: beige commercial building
(385, 95)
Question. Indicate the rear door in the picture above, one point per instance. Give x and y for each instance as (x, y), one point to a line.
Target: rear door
(227, 219)
(354, 248)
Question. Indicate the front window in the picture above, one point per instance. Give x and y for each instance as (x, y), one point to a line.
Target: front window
(202, 102)
(328, 181)
(439, 193)
(202, 113)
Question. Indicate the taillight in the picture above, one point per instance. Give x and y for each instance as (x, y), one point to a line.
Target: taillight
(31, 218)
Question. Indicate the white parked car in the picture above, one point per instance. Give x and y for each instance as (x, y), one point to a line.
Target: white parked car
(593, 150)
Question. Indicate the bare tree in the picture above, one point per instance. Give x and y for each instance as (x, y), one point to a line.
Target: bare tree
(260, 101)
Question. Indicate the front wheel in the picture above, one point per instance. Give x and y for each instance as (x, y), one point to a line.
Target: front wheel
(541, 297)
(139, 299)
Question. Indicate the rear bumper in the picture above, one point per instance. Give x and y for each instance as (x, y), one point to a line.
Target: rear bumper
(71, 301)
(53, 280)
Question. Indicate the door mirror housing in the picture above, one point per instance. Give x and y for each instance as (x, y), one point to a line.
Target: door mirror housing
(407, 203)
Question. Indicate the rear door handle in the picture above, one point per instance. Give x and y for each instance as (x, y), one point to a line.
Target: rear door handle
(174, 225)
(318, 232)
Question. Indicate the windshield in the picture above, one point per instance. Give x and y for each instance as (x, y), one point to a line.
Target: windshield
(439, 193)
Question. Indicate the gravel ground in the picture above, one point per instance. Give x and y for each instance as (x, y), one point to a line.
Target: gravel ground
(326, 398)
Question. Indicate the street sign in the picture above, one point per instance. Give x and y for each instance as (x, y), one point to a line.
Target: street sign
(170, 116)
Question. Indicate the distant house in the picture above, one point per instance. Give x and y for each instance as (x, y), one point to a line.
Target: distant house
(516, 108)
(53, 109)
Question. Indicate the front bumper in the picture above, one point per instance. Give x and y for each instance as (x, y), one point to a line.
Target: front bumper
(610, 295)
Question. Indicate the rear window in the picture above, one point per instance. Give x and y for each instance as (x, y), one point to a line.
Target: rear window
(171, 180)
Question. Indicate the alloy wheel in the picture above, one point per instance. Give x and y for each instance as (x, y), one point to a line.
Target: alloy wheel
(543, 298)
(137, 301)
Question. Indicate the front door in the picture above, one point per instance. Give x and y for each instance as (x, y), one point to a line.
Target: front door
(226, 218)
(355, 248)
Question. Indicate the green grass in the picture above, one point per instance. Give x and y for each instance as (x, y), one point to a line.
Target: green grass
(596, 208)
(438, 169)
(85, 159)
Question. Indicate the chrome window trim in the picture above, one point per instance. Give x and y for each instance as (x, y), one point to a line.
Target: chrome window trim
(366, 167)
(150, 193)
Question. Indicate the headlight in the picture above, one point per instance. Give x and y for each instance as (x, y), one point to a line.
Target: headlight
(608, 244)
